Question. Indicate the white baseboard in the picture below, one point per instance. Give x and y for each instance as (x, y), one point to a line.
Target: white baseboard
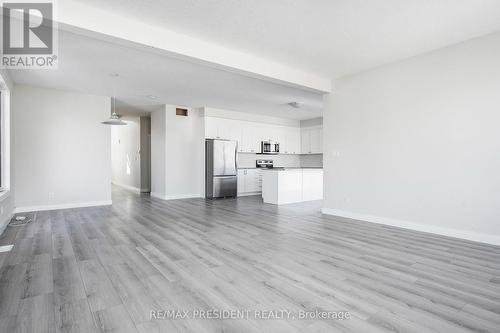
(456, 233)
(174, 196)
(26, 209)
(248, 194)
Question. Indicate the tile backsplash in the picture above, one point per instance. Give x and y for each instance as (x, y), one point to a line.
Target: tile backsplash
(288, 161)
(314, 160)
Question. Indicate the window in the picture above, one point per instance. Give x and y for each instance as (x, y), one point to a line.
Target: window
(1, 142)
(5, 137)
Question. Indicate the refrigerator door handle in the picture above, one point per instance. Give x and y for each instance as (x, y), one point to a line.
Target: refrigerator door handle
(236, 157)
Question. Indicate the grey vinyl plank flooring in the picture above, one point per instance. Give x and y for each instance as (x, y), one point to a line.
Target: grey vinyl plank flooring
(74, 317)
(104, 269)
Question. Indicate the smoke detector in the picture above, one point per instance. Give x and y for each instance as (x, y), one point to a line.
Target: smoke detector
(296, 105)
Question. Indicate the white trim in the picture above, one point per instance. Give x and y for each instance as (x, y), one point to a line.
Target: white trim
(248, 194)
(26, 209)
(174, 196)
(157, 195)
(450, 232)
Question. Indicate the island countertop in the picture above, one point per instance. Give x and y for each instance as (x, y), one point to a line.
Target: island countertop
(278, 168)
(293, 168)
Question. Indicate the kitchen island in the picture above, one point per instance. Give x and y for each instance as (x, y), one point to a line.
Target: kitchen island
(288, 185)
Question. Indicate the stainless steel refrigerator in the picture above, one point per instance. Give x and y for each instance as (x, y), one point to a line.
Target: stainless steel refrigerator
(221, 174)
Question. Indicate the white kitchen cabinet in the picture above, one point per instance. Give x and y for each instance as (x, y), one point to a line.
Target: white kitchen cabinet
(312, 140)
(292, 185)
(211, 128)
(223, 129)
(249, 135)
(292, 140)
(312, 184)
(316, 137)
(241, 181)
(235, 132)
(280, 136)
(305, 141)
(249, 181)
(251, 138)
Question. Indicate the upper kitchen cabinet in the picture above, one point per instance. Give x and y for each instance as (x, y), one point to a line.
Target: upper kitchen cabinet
(211, 125)
(312, 140)
(290, 141)
(220, 128)
(317, 140)
(250, 134)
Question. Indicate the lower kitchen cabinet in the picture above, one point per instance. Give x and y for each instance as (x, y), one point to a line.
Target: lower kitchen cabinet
(249, 182)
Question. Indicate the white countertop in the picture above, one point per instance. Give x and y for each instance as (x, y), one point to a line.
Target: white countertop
(298, 168)
(280, 168)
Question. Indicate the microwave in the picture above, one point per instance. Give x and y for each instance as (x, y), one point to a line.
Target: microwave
(269, 147)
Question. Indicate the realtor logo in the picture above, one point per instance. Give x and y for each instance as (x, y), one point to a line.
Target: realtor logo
(28, 35)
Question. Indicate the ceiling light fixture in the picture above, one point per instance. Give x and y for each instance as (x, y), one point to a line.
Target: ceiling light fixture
(152, 96)
(296, 105)
(114, 119)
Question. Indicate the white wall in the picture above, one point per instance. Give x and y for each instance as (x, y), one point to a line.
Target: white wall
(158, 152)
(63, 155)
(125, 154)
(185, 153)
(7, 196)
(417, 143)
(177, 153)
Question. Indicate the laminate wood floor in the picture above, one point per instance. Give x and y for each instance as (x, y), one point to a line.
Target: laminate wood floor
(106, 268)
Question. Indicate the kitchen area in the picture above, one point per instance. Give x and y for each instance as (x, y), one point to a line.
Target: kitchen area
(280, 161)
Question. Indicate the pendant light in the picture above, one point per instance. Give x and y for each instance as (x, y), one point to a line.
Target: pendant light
(114, 119)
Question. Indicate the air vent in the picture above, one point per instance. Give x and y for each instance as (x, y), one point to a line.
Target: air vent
(22, 219)
(181, 112)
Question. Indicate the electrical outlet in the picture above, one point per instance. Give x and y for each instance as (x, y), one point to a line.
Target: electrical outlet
(51, 195)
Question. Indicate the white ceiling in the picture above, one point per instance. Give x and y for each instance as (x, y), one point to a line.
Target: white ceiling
(331, 38)
(85, 65)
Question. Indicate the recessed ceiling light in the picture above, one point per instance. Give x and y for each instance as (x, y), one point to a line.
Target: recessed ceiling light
(152, 97)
